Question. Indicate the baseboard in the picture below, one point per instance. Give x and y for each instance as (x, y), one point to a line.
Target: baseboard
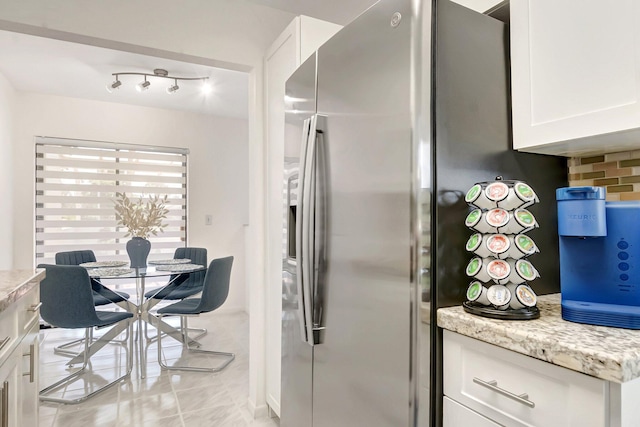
(257, 411)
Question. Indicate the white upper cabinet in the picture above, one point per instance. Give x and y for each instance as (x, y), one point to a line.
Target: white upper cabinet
(575, 70)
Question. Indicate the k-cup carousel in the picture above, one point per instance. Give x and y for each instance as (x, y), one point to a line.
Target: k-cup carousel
(499, 270)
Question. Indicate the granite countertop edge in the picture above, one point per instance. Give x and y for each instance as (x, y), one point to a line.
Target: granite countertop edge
(16, 283)
(602, 352)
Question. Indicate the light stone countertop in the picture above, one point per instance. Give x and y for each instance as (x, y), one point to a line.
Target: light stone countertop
(16, 283)
(608, 353)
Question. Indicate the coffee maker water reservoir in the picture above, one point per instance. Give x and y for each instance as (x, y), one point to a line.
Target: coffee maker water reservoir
(599, 258)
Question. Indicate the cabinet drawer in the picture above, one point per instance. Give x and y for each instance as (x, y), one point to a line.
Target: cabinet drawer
(456, 415)
(8, 331)
(489, 379)
(27, 309)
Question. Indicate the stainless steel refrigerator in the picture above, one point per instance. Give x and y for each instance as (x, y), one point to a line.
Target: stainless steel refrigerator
(387, 126)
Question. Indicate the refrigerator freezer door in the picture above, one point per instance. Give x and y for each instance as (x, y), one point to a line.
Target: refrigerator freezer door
(362, 364)
(297, 355)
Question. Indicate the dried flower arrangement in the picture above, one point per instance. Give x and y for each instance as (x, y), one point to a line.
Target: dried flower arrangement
(141, 219)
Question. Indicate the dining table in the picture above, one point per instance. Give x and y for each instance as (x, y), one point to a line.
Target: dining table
(173, 269)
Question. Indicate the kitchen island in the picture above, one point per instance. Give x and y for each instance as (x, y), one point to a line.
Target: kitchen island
(546, 371)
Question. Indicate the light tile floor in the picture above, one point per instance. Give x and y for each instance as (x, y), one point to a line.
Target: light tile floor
(166, 398)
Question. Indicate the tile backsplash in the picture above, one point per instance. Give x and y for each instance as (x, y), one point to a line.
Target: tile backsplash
(618, 172)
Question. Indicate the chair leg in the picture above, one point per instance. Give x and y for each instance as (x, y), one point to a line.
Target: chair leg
(230, 356)
(201, 331)
(44, 393)
(62, 349)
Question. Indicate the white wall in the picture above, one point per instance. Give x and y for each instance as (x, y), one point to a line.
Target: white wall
(218, 169)
(7, 95)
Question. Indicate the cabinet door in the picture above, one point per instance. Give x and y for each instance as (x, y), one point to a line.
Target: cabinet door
(575, 79)
(456, 415)
(28, 393)
(9, 391)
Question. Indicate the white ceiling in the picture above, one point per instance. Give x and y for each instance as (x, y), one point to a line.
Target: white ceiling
(37, 64)
(51, 66)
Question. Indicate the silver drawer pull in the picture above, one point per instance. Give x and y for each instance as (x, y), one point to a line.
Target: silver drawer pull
(4, 342)
(34, 307)
(493, 386)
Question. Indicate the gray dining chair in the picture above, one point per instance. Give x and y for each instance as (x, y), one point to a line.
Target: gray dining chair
(214, 294)
(67, 302)
(184, 285)
(100, 293)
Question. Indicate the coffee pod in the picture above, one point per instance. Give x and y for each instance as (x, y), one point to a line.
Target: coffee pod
(498, 245)
(487, 222)
(476, 197)
(476, 292)
(477, 269)
(496, 192)
(499, 271)
(525, 193)
(474, 244)
(521, 246)
(499, 296)
(473, 219)
(521, 296)
(520, 221)
(522, 271)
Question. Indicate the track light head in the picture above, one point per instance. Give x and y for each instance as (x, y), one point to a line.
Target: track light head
(141, 87)
(115, 85)
(173, 88)
(206, 88)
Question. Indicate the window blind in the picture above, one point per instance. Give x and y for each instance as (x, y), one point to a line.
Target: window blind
(76, 185)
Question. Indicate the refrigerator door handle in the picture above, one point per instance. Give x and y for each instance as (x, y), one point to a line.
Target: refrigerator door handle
(319, 228)
(308, 226)
(301, 233)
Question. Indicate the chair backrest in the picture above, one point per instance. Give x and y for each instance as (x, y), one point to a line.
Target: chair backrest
(197, 256)
(67, 300)
(75, 257)
(216, 284)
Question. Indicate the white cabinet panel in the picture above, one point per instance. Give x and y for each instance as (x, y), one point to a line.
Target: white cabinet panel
(575, 75)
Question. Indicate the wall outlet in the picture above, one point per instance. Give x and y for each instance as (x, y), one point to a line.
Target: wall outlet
(208, 219)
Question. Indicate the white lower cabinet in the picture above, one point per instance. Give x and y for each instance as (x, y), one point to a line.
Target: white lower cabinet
(19, 327)
(502, 387)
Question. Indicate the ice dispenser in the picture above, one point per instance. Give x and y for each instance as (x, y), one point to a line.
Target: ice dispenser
(599, 258)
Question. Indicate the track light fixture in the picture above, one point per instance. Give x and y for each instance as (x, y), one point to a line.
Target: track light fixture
(158, 72)
(143, 85)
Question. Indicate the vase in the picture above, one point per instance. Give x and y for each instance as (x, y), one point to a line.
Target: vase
(138, 249)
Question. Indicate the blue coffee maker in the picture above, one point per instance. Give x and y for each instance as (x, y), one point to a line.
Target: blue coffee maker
(599, 258)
